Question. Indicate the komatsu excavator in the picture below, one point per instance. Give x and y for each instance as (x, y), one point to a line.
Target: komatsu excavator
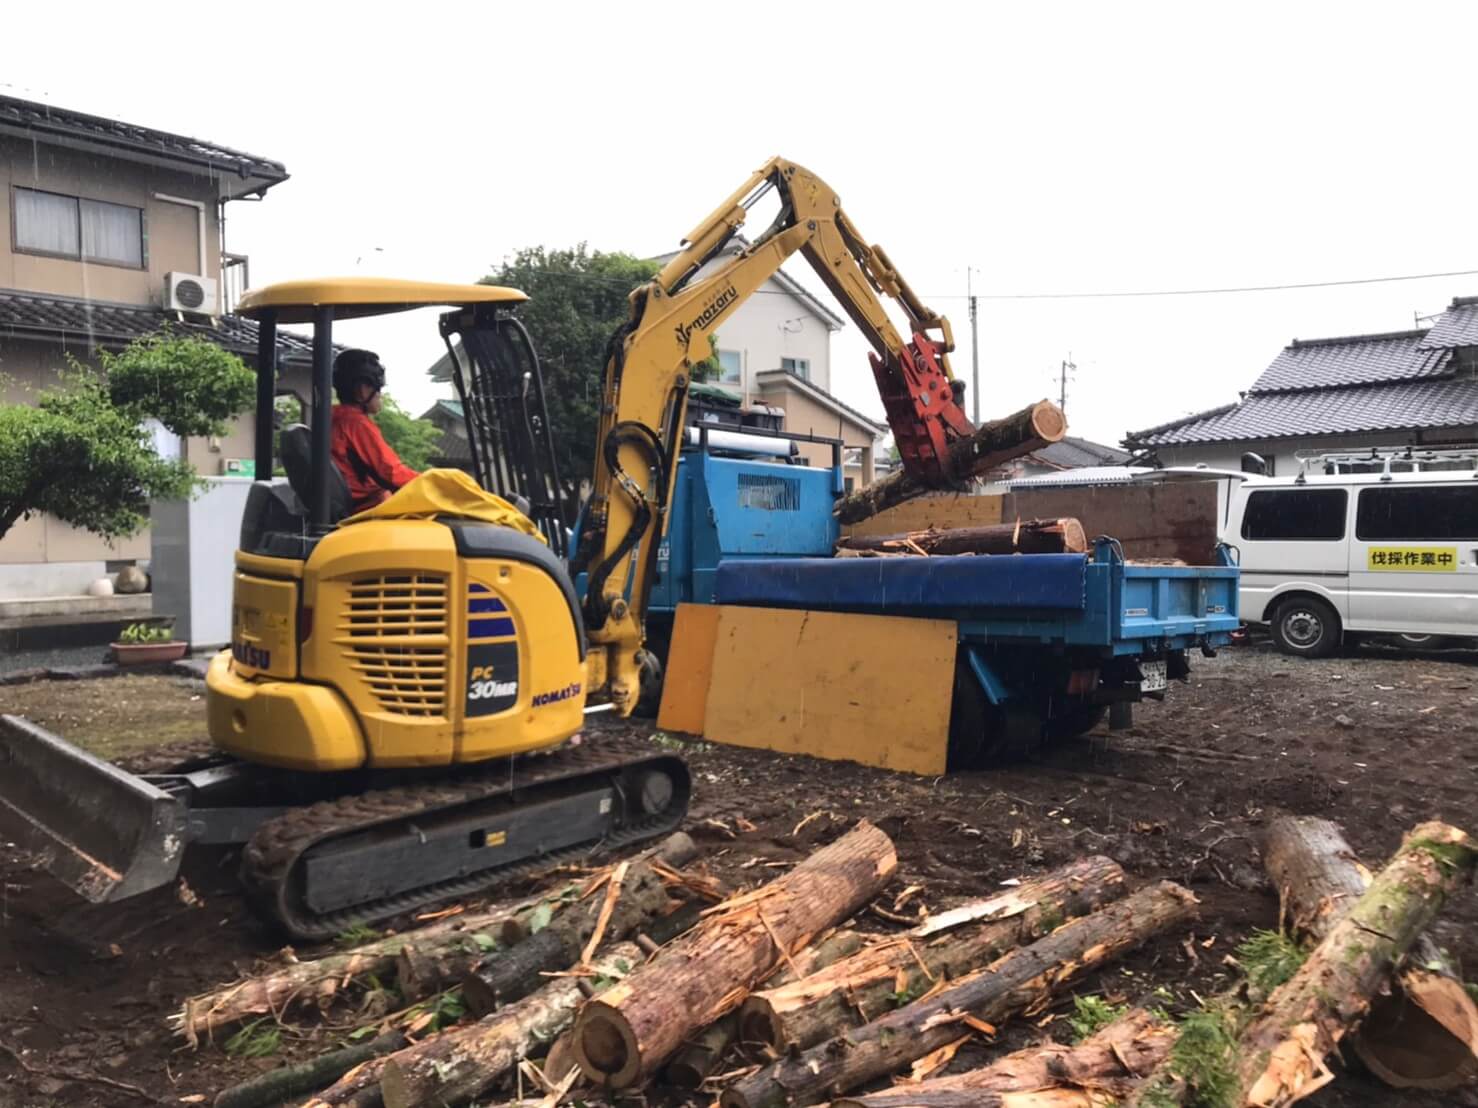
(394, 711)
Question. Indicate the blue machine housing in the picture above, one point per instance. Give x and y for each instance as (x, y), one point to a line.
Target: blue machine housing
(733, 511)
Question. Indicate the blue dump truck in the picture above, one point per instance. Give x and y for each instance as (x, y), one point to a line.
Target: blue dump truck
(992, 655)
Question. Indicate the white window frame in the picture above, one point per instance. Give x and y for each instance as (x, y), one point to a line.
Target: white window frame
(801, 367)
(723, 378)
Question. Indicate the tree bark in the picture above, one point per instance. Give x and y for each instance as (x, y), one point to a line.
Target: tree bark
(628, 1033)
(1029, 536)
(860, 988)
(991, 445)
(508, 975)
(275, 1086)
(461, 1063)
(1111, 1061)
(816, 957)
(320, 980)
(1282, 1050)
(358, 1088)
(1013, 983)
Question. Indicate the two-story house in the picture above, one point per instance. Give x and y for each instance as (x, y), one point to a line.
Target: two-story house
(112, 230)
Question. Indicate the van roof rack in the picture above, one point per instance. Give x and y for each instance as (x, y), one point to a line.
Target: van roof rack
(1385, 457)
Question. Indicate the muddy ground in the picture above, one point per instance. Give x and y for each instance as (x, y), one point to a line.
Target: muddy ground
(1377, 741)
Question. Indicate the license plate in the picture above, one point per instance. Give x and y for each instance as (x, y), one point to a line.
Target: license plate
(1155, 678)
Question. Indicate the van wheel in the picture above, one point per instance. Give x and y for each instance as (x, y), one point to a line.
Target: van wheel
(1306, 626)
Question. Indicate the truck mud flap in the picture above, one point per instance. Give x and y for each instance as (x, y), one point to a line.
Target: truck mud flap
(106, 833)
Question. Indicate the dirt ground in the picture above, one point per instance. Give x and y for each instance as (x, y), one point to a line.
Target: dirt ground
(1377, 741)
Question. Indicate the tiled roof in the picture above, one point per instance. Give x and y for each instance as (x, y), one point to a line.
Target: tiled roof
(1457, 327)
(1356, 360)
(31, 118)
(1386, 407)
(101, 323)
(1073, 453)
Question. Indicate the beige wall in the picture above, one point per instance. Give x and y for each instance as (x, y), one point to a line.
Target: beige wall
(806, 416)
(171, 235)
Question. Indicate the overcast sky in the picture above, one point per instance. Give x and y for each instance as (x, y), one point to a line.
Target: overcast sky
(1053, 148)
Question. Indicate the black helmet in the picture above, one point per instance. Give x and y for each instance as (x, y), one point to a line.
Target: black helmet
(353, 366)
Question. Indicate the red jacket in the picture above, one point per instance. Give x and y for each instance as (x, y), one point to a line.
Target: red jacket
(370, 467)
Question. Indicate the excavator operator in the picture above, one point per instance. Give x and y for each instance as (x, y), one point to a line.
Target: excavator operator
(370, 467)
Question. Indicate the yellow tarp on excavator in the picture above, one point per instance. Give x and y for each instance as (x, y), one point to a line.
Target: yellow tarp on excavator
(448, 492)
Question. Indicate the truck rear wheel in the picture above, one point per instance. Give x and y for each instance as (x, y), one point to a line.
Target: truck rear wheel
(982, 734)
(1307, 627)
(1078, 721)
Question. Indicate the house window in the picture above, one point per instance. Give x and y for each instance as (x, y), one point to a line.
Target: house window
(729, 363)
(801, 367)
(71, 227)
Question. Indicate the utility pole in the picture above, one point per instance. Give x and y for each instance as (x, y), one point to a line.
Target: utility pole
(1068, 366)
(974, 349)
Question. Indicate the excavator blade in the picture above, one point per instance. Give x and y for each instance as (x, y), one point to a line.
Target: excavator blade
(106, 833)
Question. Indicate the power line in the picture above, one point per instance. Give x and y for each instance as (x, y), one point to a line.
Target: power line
(1214, 292)
(606, 278)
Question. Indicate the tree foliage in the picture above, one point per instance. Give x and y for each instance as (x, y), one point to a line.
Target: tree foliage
(190, 385)
(577, 299)
(83, 453)
(413, 439)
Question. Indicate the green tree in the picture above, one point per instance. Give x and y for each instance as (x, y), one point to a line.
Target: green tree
(577, 299)
(82, 452)
(413, 439)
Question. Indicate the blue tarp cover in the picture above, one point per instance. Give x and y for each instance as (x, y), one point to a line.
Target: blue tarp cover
(944, 585)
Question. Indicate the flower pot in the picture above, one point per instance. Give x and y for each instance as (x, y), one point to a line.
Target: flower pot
(142, 653)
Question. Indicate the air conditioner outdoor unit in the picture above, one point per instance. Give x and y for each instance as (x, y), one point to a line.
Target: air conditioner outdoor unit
(189, 292)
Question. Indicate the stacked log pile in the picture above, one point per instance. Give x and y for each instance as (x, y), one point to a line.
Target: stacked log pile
(618, 986)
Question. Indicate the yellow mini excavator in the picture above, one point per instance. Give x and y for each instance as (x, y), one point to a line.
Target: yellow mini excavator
(393, 712)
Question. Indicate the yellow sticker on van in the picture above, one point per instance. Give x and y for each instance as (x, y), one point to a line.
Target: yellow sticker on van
(1412, 559)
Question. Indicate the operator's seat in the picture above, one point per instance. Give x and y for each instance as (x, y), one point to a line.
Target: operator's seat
(297, 458)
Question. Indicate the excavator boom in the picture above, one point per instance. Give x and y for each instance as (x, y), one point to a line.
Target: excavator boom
(650, 362)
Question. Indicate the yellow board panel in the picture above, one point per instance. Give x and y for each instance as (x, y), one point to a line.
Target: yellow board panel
(923, 512)
(689, 669)
(869, 689)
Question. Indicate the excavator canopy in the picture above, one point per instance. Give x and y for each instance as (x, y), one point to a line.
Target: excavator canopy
(354, 297)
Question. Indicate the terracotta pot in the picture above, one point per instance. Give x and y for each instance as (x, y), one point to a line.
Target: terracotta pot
(140, 653)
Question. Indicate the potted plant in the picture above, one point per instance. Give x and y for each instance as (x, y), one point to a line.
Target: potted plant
(148, 641)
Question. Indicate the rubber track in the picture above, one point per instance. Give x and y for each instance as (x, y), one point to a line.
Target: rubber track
(269, 857)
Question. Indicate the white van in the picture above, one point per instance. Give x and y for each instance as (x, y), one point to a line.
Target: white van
(1325, 556)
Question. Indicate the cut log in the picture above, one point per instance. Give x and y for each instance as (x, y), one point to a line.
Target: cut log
(1282, 1050)
(1423, 1035)
(865, 985)
(992, 444)
(629, 1033)
(275, 1086)
(1029, 536)
(816, 957)
(359, 1088)
(319, 980)
(1111, 1061)
(514, 973)
(696, 1060)
(461, 1063)
(1015, 982)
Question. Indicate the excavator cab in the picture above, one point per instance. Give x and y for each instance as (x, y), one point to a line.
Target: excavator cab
(396, 641)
